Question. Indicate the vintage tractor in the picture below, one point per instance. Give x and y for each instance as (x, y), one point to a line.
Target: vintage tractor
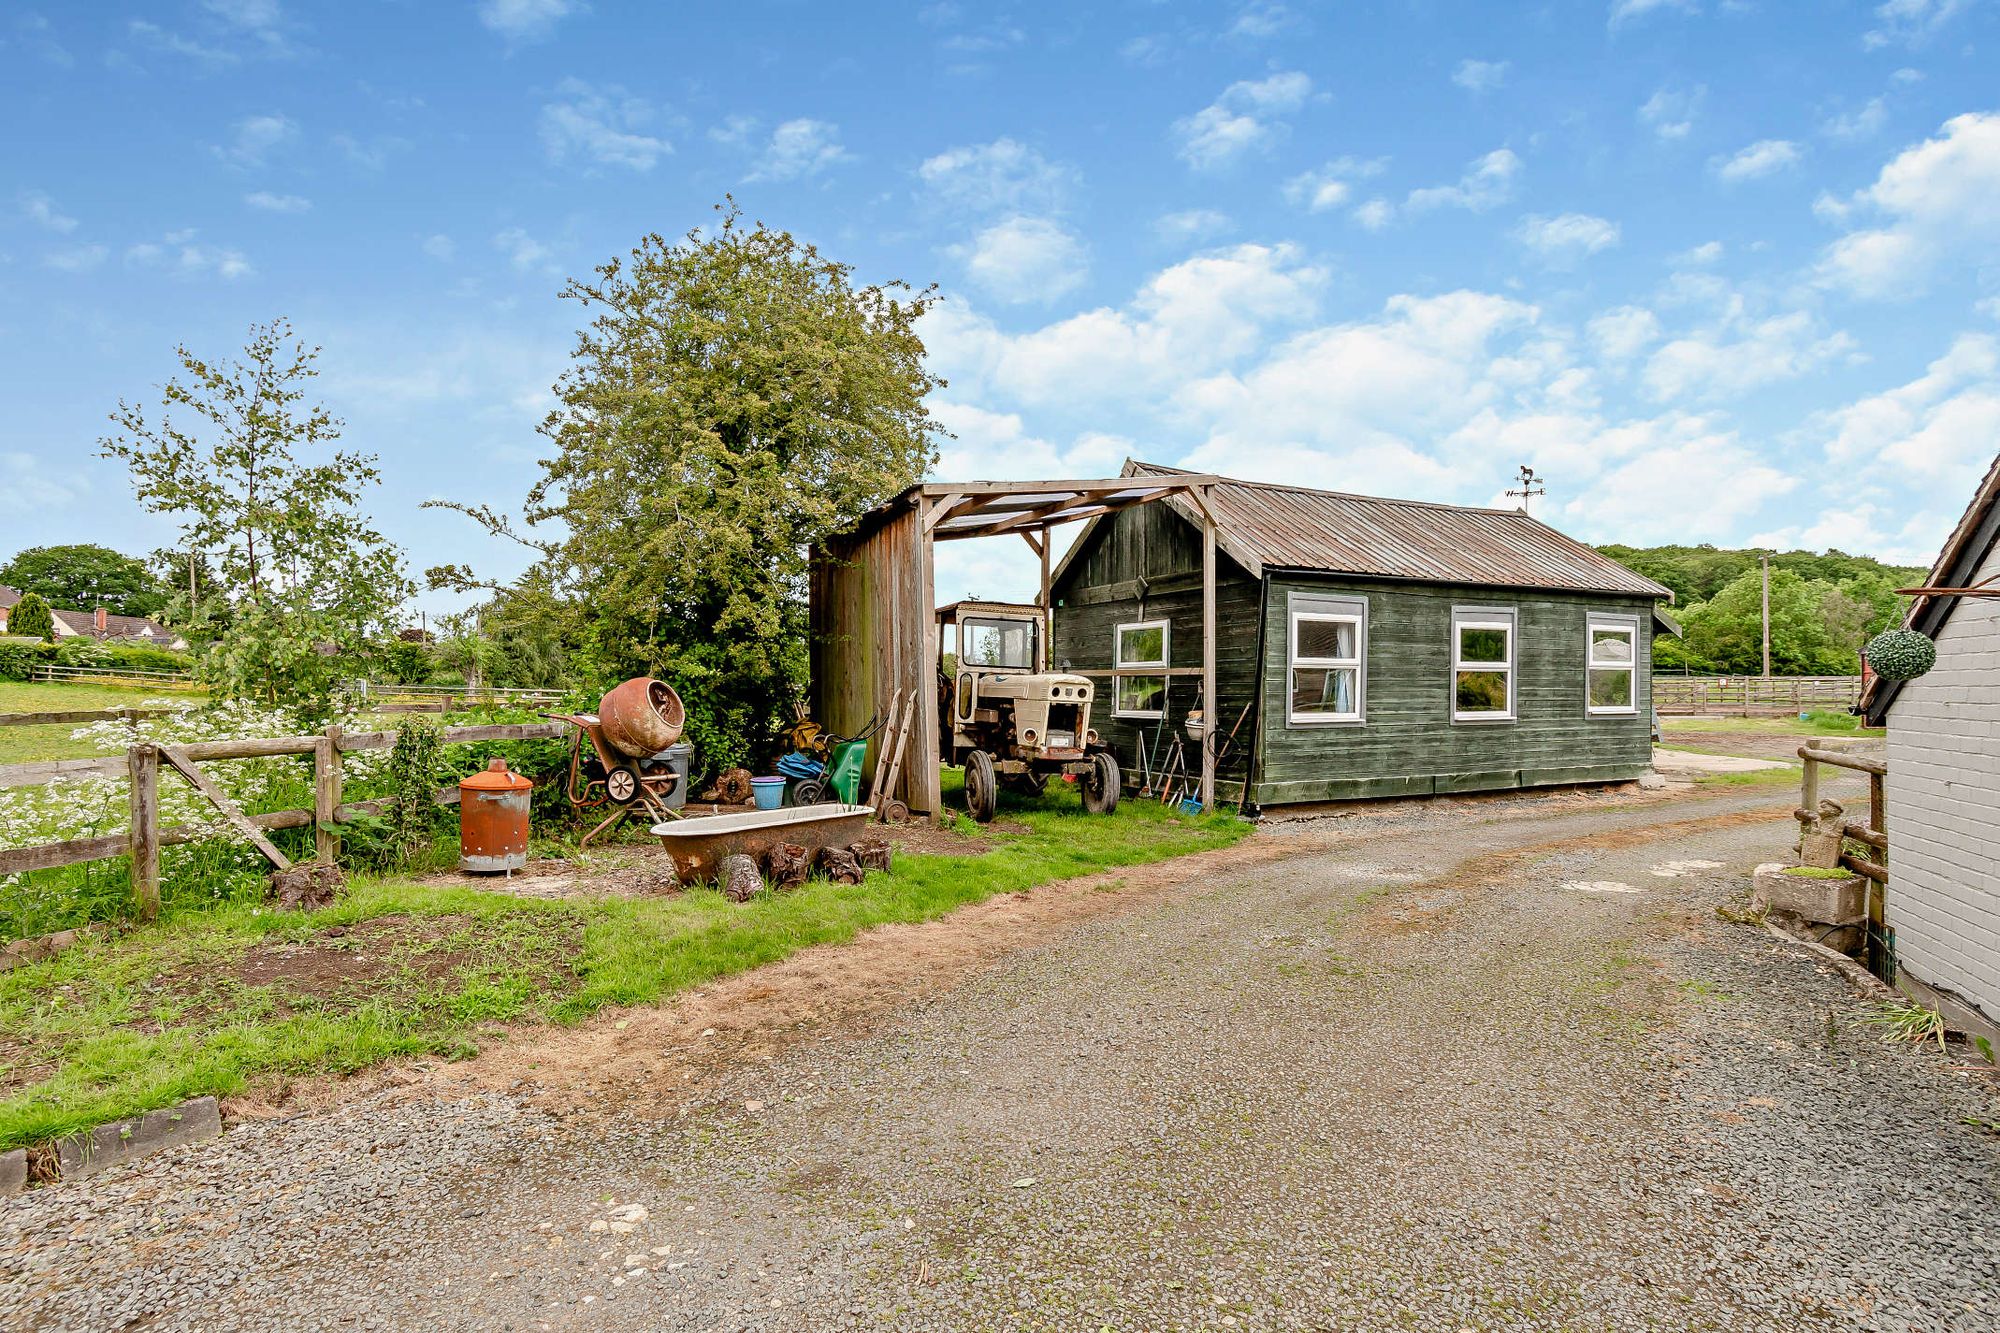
(1008, 719)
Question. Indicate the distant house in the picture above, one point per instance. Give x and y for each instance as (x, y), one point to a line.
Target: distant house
(107, 628)
(1371, 647)
(8, 596)
(1943, 900)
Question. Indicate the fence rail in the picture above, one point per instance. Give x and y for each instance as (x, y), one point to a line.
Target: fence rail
(1873, 835)
(144, 837)
(61, 673)
(1746, 696)
(466, 693)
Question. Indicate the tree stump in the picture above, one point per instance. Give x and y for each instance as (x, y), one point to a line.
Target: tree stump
(788, 864)
(739, 878)
(841, 866)
(872, 853)
(307, 887)
(731, 788)
(1820, 841)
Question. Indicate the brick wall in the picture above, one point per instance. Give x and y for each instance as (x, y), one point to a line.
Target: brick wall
(1944, 809)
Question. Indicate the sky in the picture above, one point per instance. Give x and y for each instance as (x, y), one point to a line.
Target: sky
(1721, 270)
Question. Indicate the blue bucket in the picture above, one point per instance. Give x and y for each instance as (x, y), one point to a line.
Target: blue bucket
(769, 793)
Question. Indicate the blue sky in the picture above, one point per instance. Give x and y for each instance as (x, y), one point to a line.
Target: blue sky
(1722, 270)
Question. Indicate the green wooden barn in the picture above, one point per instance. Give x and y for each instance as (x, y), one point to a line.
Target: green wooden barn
(1365, 647)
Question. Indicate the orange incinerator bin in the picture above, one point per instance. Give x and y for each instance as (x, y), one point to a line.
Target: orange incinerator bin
(493, 820)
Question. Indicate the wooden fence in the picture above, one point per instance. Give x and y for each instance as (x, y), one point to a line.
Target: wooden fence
(142, 764)
(108, 675)
(1748, 696)
(1873, 835)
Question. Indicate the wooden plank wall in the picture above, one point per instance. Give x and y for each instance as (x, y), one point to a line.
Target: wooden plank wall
(1144, 563)
(873, 633)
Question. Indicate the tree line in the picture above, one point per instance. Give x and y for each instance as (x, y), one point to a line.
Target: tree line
(1824, 606)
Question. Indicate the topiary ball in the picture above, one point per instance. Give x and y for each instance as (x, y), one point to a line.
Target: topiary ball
(1901, 654)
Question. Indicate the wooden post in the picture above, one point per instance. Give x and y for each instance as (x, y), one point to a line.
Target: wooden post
(1767, 621)
(1808, 786)
(1878, 907)
(1211, 707)
(327, 765)
(142, 764)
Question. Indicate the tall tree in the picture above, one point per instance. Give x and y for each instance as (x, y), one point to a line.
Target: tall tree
(735, 399)
(85, 577)
(30, 618)
(304, 577)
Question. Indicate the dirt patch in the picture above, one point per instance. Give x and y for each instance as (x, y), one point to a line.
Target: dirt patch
(925, 839)
(646, 1054)
(341, 958)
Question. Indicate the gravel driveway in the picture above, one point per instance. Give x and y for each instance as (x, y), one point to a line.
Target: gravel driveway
(1478, 1065)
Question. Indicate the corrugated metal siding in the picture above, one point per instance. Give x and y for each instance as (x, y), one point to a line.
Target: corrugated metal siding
(1286, 527)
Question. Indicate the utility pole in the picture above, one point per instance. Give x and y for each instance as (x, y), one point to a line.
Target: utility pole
(1531, 486)
(1766, 558)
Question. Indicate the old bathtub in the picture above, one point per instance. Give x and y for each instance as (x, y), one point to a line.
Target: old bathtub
(699, 844)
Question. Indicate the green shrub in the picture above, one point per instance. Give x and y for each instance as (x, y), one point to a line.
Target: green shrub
(18, 656)
(31, 618)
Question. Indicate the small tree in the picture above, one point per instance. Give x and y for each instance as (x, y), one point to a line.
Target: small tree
(32, 619)
(305, 579)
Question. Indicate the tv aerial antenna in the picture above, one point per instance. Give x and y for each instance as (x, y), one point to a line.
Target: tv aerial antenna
(1531, 485)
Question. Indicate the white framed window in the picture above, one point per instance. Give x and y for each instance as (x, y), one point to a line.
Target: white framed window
(1326, 661)
(1611, 670)
(1482, 664)
(1140, 656)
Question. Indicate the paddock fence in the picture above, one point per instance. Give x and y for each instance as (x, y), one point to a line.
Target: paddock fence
(1753, 696)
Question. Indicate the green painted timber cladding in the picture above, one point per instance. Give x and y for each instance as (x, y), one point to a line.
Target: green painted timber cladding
(1145, 564)
(1408, 743)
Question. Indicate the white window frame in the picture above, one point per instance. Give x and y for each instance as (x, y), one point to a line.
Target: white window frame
(1121, 668)
(1628, 626)
(1347, 611)
(1503, 618)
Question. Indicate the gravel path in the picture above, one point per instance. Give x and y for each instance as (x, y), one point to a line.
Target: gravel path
(1484, 1065)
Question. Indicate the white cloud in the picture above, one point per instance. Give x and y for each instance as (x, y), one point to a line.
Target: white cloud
(1191, 318)
(41, 210)
(1025, 260)
(440, 247)
(26, 488)
(1567, 237)
(799, 148)
(178, 253)
(1911, 22)
(523, 251)
(1743, 355)
(1623, 333)
(1317, 191)
(1193, 224)
(1003, 176)
(1480, 76)
(1375, 214)
(1244, 119)
(256, 138)
(1939, 198)
(602, 125)
(1670, 112)
(277, 203)
(1764, 158)
(526, 20)
(1705, 253)
(1487, 183)
(1864, 122)
(1261, 19)
(75, 258)
(1625, 10)
(1937, 423)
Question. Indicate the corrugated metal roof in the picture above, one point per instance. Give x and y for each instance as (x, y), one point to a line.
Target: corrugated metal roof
(1263, 525)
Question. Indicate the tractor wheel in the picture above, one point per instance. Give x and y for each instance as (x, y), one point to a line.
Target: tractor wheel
(982, 787)
(622, 784)
(1100, 785)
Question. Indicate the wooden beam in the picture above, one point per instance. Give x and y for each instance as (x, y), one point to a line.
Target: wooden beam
(178, 757)
(1035, 543)
(1211, 707)
(327, 782)
(1159, 485)
(1048, 609)
(1055, 519)
(942, 508)
(48, 770)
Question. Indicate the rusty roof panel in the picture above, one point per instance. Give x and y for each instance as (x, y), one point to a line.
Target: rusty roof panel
(1292, 527)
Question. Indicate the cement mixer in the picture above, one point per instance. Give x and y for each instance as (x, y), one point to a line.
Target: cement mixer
(628, 763)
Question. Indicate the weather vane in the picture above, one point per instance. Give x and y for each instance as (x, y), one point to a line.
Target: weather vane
(1531, 486)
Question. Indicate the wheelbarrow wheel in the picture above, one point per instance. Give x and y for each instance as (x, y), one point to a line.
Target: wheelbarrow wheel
(622, 784)
(982, 787)
(1100, 785)
(806, 791)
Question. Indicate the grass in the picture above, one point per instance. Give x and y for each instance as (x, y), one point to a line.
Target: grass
(21, 745)
(1817, 872)
(127, 1023)
(1762, 777)
(1906, 1020)
(1816, 724)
